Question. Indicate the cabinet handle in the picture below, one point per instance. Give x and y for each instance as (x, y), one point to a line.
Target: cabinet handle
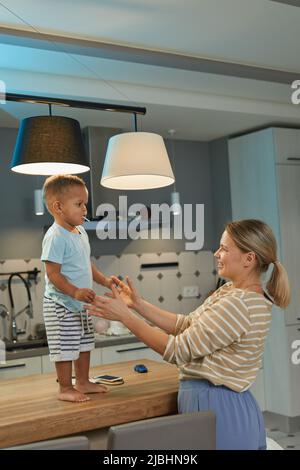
(14, 366)
(133, 349)
(298, 318)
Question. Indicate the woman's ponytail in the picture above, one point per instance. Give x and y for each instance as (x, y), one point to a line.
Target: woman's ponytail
(278, 285)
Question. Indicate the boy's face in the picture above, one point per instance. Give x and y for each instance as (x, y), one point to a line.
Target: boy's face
(72, 205)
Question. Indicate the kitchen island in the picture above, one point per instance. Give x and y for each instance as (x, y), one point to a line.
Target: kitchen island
(30, 411)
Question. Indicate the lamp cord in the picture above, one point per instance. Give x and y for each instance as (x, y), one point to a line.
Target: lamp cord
(173, 160)
(60, 49)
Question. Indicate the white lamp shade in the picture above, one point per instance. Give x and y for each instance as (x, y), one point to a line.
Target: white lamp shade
(136, 160)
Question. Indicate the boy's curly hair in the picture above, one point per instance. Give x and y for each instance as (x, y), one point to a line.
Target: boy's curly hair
(58, 185)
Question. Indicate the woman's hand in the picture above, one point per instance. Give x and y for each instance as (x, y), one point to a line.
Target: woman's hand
(113, 308)
(127, 292)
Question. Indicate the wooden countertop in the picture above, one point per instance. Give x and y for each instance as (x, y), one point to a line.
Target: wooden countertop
(30, 411)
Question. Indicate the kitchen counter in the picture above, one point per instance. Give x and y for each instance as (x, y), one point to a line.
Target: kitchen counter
(101, 341)
(30, 411)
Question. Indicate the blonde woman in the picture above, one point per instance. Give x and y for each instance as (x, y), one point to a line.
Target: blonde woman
(218, 348)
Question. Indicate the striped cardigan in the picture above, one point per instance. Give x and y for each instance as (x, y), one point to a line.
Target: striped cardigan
(222, 340)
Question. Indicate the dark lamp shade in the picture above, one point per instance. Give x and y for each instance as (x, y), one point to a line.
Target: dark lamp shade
(49, 145)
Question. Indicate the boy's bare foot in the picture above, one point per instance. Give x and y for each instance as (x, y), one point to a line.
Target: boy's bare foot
(71, 394)
(90, 387)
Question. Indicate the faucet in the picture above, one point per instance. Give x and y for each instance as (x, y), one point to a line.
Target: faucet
(14, 330)
(4, 313)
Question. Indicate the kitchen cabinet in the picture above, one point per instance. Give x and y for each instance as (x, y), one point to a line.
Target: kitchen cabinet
(95, 360)
(20, 368)
(264, 182)
(105, 355)
(128, 352)
(287, 146)
(289, 209)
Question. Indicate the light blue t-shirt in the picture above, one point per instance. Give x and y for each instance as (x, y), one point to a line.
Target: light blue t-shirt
(72, 251)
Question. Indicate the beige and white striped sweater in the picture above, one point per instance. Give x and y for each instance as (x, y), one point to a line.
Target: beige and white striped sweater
(222, 340)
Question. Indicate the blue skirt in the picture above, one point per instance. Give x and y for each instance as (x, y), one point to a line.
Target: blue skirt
(239, 420)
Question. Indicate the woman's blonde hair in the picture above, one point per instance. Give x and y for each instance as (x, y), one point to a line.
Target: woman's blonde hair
(255, 235)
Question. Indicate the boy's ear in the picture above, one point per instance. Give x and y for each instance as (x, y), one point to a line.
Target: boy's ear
(56, 207)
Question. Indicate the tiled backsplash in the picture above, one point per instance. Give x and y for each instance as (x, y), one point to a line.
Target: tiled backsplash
(162, 286)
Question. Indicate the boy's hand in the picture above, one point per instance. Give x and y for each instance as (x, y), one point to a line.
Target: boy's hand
(85, 295)
(127, 292)
(109, 282)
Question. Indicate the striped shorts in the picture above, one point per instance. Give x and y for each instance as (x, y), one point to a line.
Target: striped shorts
(68, 333)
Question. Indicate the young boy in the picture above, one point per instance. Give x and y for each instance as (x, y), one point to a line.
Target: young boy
(69, 279)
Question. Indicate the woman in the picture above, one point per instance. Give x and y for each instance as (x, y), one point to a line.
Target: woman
(218, 347)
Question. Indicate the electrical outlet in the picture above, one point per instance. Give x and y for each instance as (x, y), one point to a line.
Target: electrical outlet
(190, 291)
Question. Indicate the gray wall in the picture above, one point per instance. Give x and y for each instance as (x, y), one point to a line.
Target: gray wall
(201, 171)
(21, 231)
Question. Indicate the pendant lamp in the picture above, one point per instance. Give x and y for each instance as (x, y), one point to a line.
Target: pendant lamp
(136, 160)
(49, 145)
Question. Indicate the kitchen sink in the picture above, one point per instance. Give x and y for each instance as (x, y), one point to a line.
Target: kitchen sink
(27, 344)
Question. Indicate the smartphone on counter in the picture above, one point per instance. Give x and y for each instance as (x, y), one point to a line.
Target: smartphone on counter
(108, 380)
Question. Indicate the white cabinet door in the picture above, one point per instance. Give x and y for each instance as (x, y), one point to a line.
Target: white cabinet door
(20, 368)
(258, 390)
(287, 146)
(96, 357)
(289, 212)
(48, 366)
(294, 369)
(128, 352)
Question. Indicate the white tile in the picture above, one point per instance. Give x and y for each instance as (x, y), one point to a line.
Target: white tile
(205, 261)
(207, 283)
(129, 266)
(188, 305)
(169, 290)
(186, 280)
(187, 262)
(109, 265)
(98, 289)
(168, 257)
(171, 305)
(33, 263)
(149, 288)
(149, 258)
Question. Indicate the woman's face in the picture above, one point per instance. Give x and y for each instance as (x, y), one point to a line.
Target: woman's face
(231, 261)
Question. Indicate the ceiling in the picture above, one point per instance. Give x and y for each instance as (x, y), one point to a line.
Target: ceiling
(206, 68)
